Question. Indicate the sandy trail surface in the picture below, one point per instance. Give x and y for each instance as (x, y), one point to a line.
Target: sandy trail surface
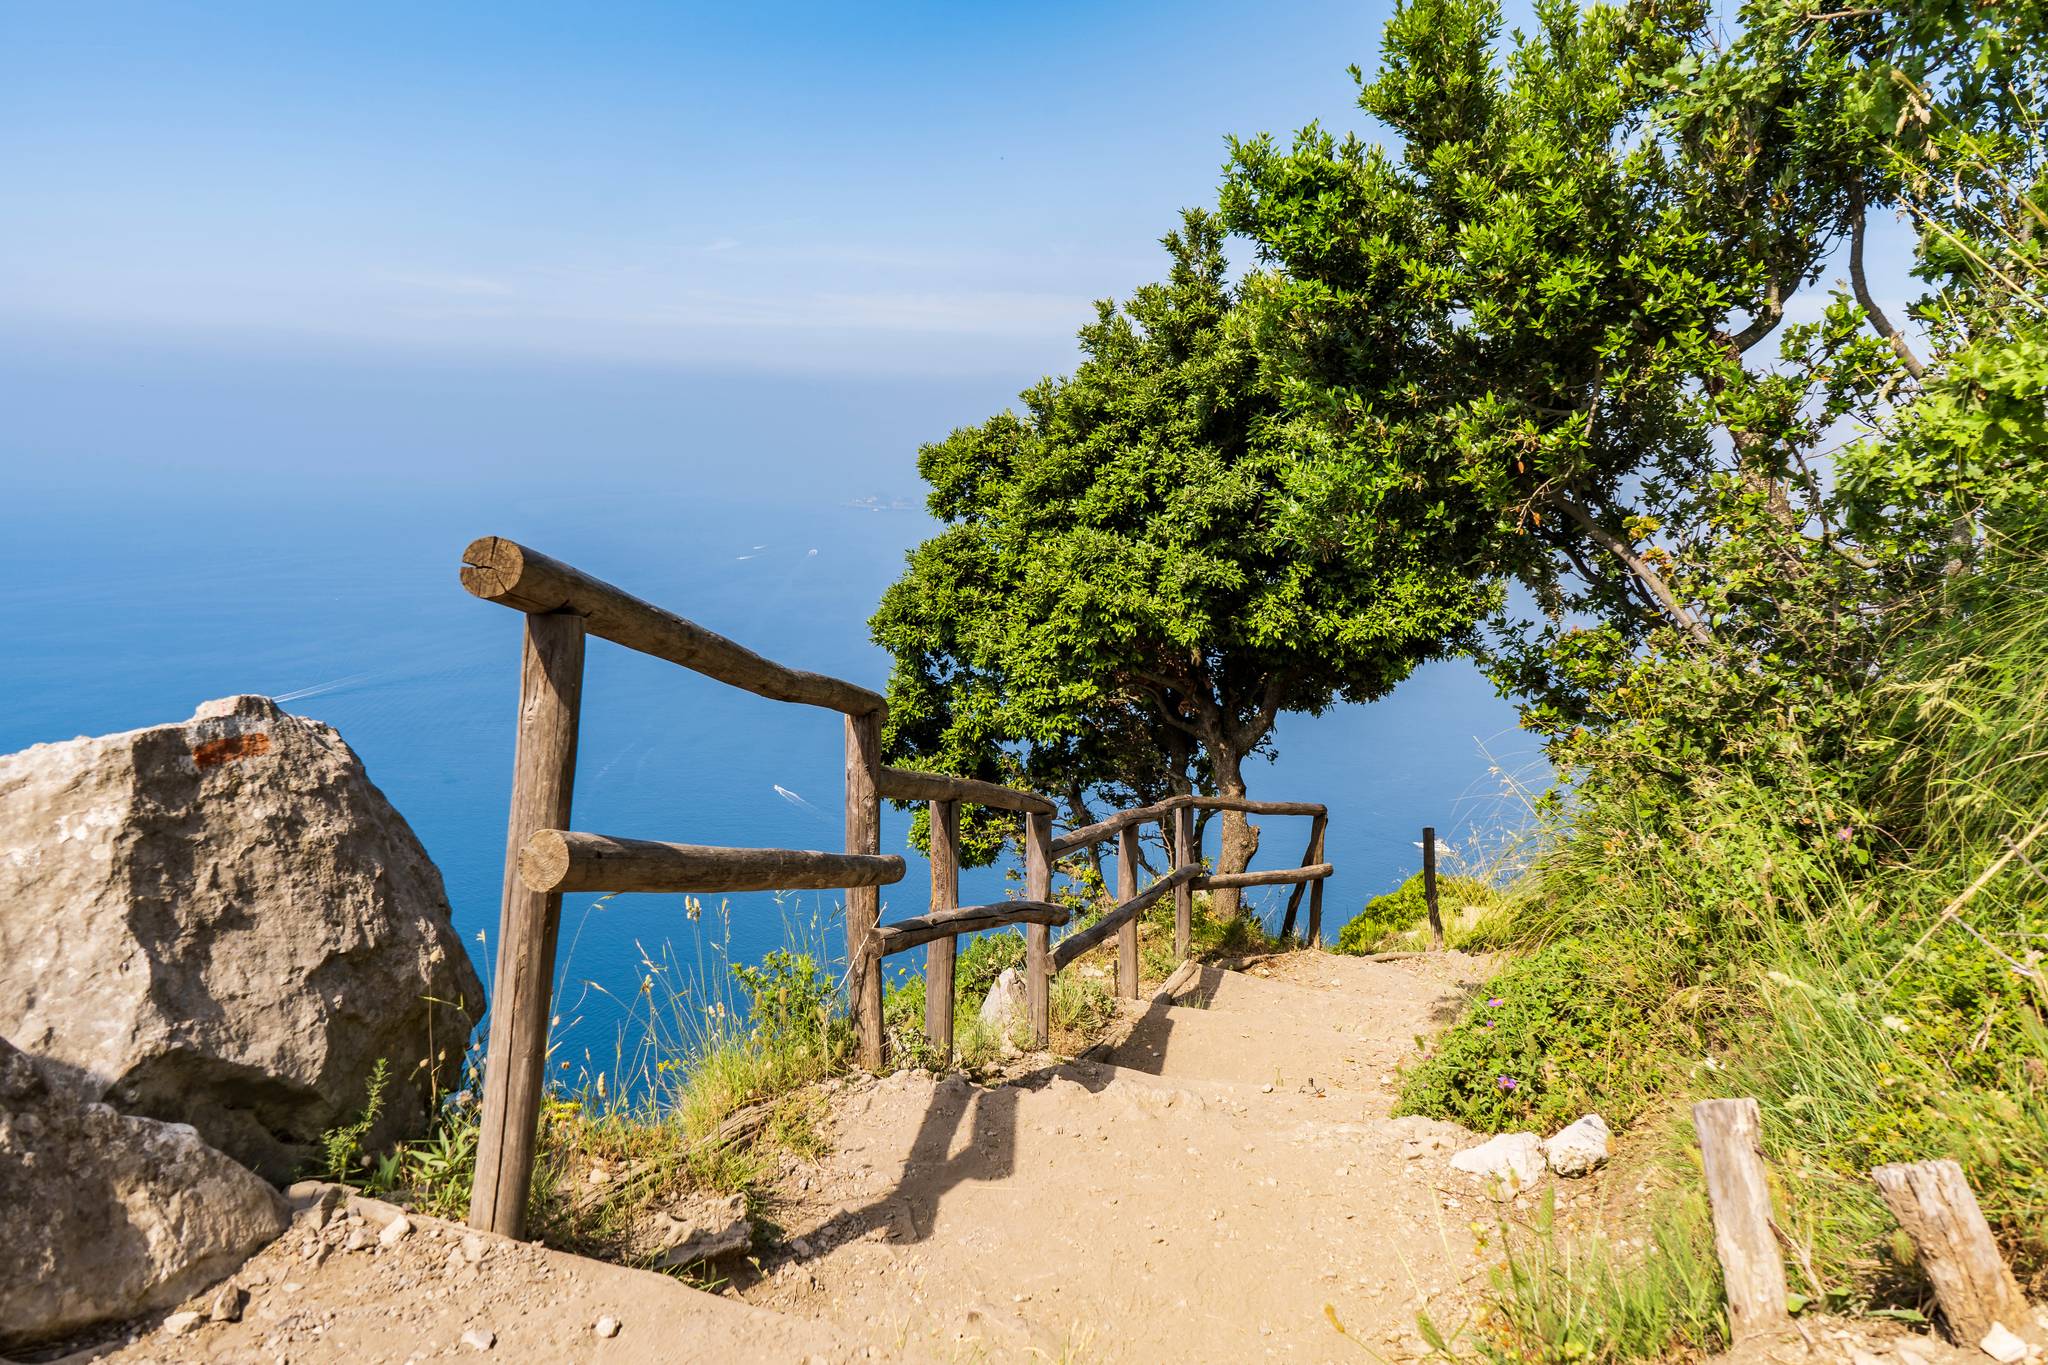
(1223, 1183)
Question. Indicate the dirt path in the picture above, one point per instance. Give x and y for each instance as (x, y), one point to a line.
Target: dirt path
(1218, 1185)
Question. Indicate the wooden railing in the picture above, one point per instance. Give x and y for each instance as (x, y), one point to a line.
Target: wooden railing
(1175, 816)
(561, 607)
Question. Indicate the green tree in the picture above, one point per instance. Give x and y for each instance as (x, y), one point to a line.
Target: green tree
(1561, 299)
(1151, 562)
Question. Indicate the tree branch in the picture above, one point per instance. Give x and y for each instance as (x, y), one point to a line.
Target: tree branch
(1637, 565)
(1914, 365)
(1764, 323)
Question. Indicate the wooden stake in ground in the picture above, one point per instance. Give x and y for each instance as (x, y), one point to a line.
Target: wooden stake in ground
(1751, 1266)
(939, 953)
(1127, 935)
(1184, 855)
(543, 776)
(1318, 827)
(1038, 937)
(864, 903)
(1934, 1204)
(1436, 919)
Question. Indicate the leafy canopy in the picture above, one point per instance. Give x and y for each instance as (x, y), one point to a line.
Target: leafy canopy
(1147, 564)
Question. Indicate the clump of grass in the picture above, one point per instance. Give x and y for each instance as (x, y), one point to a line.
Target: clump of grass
(1561, 1300)
(342, 1147)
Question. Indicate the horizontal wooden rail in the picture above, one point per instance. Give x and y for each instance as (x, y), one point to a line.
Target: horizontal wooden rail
(558, 860)
(1075, 944)
(908, 784)
(1277, 876)
(511, 575)
(1137, 815)
(967, 919)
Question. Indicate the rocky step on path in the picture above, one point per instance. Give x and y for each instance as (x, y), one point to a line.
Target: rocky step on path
(1222, 1182)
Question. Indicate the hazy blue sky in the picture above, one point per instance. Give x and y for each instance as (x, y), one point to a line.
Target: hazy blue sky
(881, 188)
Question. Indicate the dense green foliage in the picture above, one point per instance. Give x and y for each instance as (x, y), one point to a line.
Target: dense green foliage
(1141, 570)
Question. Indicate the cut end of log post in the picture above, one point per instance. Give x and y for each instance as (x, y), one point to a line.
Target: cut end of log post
(491, 566)
(544, 861)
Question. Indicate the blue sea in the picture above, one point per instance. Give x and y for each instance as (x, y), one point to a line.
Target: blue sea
(192, 520)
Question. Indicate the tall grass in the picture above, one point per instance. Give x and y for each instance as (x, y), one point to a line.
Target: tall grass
(1858, 945)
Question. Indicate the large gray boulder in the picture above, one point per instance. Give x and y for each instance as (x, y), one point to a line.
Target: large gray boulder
(104, 1216)
(224, 923)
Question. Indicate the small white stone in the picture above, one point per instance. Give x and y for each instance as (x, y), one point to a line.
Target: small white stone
(2003, 1345)
(479, 1339)
(178, 1324)
(1510, 1163)
(606, 1327)
(1579, 1149)
(394, 1230)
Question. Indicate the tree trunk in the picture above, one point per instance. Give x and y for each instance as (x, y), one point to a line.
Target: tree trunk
(1240, 836)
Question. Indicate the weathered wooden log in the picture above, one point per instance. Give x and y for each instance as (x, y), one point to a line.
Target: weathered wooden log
(908, 784)
(1751, 1266)
(864, 903)
(1317, 830)
(1272, 876)
(966, 919)
(1184, 855)
(1103, 829)
(1177, 981)
(1038, 936)
(1138, 815)
(1934, 1204)
(563, 860)
(543, 779)
(939, 953)
(1075, 944)
(1436, 919)
(506, 572)
(1127, 932)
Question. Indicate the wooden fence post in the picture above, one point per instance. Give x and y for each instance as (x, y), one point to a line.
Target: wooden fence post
(864, 903)
(543, 777)
(1751, 1265)
(1127, 933)
(939, 954)
(1038, 937)
(1184, 855)
(1934, 1204)
(1436, 919)
(1317, 829)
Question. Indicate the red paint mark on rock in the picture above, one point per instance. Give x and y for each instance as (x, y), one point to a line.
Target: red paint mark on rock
(230, 749)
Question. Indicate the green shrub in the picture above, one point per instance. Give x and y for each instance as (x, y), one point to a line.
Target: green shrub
(1573, 1025)
(788, 996)
(1405, 907)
